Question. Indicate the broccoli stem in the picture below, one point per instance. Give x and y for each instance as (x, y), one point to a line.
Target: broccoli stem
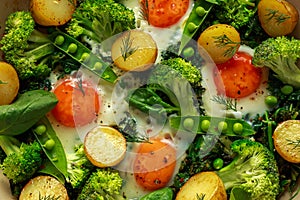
(9, 144)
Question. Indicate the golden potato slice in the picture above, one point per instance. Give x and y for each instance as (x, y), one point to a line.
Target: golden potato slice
(221, 41)
(277, 18)
(287, 140)
(9, 83)
(104, 146)
(207, 184)
(52, 13)
(45, 187)
(134, 50)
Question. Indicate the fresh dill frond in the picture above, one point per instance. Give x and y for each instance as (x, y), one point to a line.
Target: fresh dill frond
(224, 41)
(144, 10)
(127, 49)
(48, 197)
(278, 16)
(200, 196)
(229, 103)
(296, 143)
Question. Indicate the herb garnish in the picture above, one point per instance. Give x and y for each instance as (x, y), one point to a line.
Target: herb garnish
(223, 41)
(296, 143)
(48, 197)
(127, 49)
(278, 16)
(229, 103)
(80, 87)
(200, 196)
(144, 10)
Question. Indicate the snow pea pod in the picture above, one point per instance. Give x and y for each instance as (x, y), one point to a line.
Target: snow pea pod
(56, 154)
(79, 52)
(213, 127)
(197, 16)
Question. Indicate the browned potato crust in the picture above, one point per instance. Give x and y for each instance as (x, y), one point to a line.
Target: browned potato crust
(141, 53)
(287, 140)
(277, 17)
(44, 186)
(221, 41)
(9, 83)
(52, 13)
(203, 183)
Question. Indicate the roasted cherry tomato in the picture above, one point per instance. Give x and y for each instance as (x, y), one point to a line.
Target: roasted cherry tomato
(237, 77)
(164, 13)
(78, 102)
(154, 164)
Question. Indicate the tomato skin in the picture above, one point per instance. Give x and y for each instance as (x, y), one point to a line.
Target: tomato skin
(154, 165)
(164, 13)
(78, 103)
(237, 78)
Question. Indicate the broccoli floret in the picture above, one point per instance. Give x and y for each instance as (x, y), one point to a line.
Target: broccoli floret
(103, 184)
(237, 13)
(186, 70)
(280, 54)
(100, 19)
(79, 167)
(25, 47)
(253, 169)
(22, 160)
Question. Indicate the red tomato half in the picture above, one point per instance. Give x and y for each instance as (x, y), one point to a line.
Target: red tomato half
(237, 77)
(78, 102)
(164, 13)
(154, 164)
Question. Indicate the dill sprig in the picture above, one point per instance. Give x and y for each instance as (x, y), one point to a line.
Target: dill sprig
(296, 143)
(278, 16)
(229, 103)
(80, 86)
(225, 41)
(200, 196)
(144, 10)
(127, 49)
(48, 197)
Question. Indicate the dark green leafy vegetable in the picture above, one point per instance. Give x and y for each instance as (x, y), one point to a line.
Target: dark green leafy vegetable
(161, 194)
(28, 109)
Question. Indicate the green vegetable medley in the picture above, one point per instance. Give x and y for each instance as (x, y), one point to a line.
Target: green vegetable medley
(240, 150)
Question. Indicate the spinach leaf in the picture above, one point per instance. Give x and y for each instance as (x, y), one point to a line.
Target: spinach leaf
(22, 114)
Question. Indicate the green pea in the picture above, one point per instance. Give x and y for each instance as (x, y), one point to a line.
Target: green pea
(287, 89)
(192, 27)
(188, 52)
(222, 126)
(271, 101)
(200, 11)
(98, 66)
(205, 124)
(40, 129)
(218, 163)
(72, 48)
(188, 123)
(237, 128)
(59, 40)
(49, 144)
(84, 57)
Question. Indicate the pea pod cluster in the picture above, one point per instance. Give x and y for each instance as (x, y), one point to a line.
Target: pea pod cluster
(197, 16)
(51, 145)
(212, 125)
(83, 55)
